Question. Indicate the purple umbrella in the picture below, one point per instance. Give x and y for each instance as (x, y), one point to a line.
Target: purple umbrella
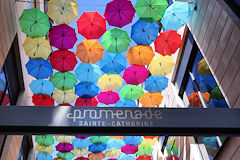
(64, 147)
(82, 137)
(62, 37)
(119, 13)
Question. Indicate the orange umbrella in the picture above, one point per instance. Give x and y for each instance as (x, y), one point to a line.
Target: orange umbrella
(151, 99)
(140, 55)
(195, 101)
(89, 51)
(117, 137)
(96, 156)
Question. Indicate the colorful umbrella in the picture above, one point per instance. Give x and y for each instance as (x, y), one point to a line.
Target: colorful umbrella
(44, 140)
(116, 41)
(89, 51)
(149, 10)
(41, 156)
(34, 22)
(206, 83)
(156, 84)
(176, 15)
(216, 93)
(174, 150)
(96, 156)
(62, 36)
(168, 42)
(39, 69)
(99, 139)
(41, 86)
(151, 99)
(140, 55)
(127, 149)
(135, 75)
(194, 99)
(65, 156)
(117, 138)
(63, 60)
(112, 153)
(210, 142)
(67, 96)
(64, 139)
(85, 102)
(112, 159)
(81, 158)
(110, 82)
(144, 33)
(81, 143)
(37, 47)
(115, 144)
(2, 85)
(171, 141)
(64, 81)
(131, 92)
(161, 65)
(64, 147)
(217, 103)
(108, 97)
(133, 140)
(144, 158)
(62, 11)
(88, 72)
(91, 25)
(80, 152)
(82, 137)
(144, 151)
(174, 157)
(119, 13)
(149, 137)
(148, 142)
(42, 100)
(64, 104)
(124, 156)
(96, 148)
(113, 63)
(125, 103)
(203, 68)
(86, 90)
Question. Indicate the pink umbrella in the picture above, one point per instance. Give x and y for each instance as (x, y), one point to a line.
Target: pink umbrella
(64, 147)
(62, 37)
(82, 137)
(127, 149)
(135, 75)
(108, 97)
(112, 159)
(119, 13)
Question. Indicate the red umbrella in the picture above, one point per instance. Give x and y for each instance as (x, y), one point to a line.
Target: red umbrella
(135, 75)
(149, 137)
(44, 100)
(91, 25)
(108, 97)
(81, 158)
(127, 149)
(174, 156)
(6, 99)
(65, 104)
(144, 158)
(64, 147)
(86, 102)
(168, 42)
(63, 60)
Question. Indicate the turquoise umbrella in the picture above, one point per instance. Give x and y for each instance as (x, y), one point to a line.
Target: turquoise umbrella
(41, 86)
(125, 103)
(2, 85)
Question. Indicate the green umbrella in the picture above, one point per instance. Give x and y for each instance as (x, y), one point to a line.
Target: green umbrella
(99, 139)
(34, 23)
(116, 41)
(131, 92)
(64, 81)
(44, 140)
(65, 156)
(174, 150)
(151, 10)
(216, 93)
(144, 151)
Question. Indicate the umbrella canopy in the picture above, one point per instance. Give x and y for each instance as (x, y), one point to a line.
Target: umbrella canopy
(174, 157)
(64, 81)
(168, 42)
(96, 156)
(112, 159)
(91, 25)
(119, 13)
(81, 158)
(81, 143)
(135, 75)
(206, 83)
(41, 156)
(44, 140)
(96, 148)
(37, 47)
(2, 85)
(63, 60)
(127, 149)
(115, 144)
(151, 99)
(118, 137)
(82, 137)
(65, 156)
(149, 10)
(125, 103)
(148, 142)
(144, 33)
(41, 86)
(89, 51)
(124, 156)
(85, 102)
(210, 142)
(216, 93)
(34, 23)
(67, 96)
(108, 97)
(62, 11)
(131, 92)
(88, 72)
(203, 68)
(144, 151)
(149, 137)
(171, 141)
(113, 63)
(86, 90)
(112, 153)
(64, 147)
(133, 140)
(161, 65)
(39, 69)
(144, 158)
(194, 99)
(116, 41)
(156, 84)
(140, 55)
(176, 15)
(64, 139)
(99, 139)
(42, 100)
(80, 152)
(173, 149)
(64, 104)
(62, 36)
(110, 82)
(44, 150)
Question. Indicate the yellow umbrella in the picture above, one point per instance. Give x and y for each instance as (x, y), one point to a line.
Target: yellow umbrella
(37, 47)
(140, 55)
(110, 82)
(171, 141)
(62, 97)
(151, 99)
(148, 142)
(64, 139)
(44, 150)
(112, 153)
(89, 51)
(161, 65)
(203, 68)
(80, 152)
(62, 11)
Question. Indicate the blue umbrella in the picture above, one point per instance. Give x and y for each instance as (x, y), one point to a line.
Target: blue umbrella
(41, 156)
(39, 69)
(144, 33)
(2, 85)
(206, 83)
(86, 90)
(214, 103)
(115, 144)
(81, 143)
(113, 63)
(88, 72)
(96, 148)
(42, 86)
(133, 140)
(124, 156)
(210, 142)
(176, 15)
(125, 103)
(156, 84)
